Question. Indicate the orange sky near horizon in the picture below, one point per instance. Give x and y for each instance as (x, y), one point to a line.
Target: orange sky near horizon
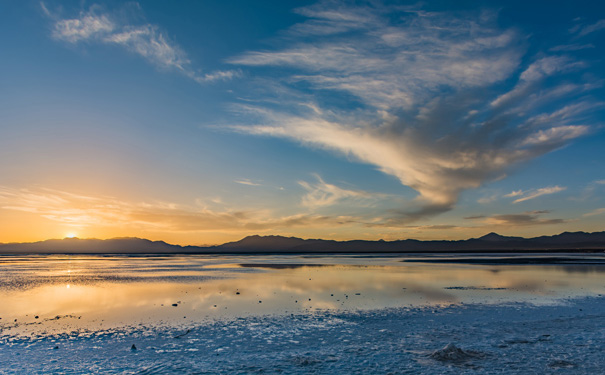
(35, 215)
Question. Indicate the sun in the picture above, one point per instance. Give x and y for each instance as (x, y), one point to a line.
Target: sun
(71, 235)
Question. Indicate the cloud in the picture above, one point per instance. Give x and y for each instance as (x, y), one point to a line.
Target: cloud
(555, 135)
(536, 193)
(322, 194)
(245, 181)
(590, 191)
(588, 29)
(529, 218)
(83, 28)
(392, 65)
(425, 101)
(515, 193)
(571, 47)
(219, 75)
(475, 217)
(598, 211)
(536, 72)
(144, 40)
(488, 199)
(148, 42)
(85, 211)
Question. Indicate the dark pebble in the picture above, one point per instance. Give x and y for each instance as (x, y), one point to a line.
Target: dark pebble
(133, 347)
(175, 304)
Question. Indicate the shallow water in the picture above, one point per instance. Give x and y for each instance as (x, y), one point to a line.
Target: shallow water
(297, 314)
(99, 291)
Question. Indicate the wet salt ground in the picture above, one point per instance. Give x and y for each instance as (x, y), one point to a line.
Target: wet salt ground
(515, 338)
(320, 314)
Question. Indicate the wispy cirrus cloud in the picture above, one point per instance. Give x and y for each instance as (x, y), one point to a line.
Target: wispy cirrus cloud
(245, 181)
(598, 211)
(571, 47)
(532, 194)
(582, 30)
(427, 101)
(323, 194)
(528, 218)
(145, 40)
(84, 211)
(514, 193)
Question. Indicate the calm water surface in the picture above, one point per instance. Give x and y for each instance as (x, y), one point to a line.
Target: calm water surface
(63, 293)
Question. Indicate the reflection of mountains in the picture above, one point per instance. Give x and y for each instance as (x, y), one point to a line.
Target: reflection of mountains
(490, 243)
(567, 261)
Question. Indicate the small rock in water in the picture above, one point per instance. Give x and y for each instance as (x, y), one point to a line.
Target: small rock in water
(56, 347)
(175, 304)
(561, 364)
(452, 353)
(133, 347)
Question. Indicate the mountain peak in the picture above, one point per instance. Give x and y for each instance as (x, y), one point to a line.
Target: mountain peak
(493, 236)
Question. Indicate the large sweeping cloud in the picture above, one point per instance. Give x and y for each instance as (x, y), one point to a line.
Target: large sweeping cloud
(444, 102)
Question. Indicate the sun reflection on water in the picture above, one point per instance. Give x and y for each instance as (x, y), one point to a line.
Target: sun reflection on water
(127, 290)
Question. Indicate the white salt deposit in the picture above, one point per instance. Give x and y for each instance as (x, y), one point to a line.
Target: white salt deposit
(478, 339)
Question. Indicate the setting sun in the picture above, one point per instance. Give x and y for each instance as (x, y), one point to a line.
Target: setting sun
(71, 235)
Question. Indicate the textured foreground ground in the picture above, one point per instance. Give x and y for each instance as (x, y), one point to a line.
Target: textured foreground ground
(511, 339)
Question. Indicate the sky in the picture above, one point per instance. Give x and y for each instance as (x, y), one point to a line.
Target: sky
(204, 122)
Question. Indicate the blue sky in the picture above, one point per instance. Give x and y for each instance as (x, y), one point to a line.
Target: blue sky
(203, 122)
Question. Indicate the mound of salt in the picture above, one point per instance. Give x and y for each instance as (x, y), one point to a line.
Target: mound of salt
(452, 353)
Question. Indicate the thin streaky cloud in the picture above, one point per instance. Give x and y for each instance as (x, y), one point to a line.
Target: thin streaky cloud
(83, 211)
(571, 47)
(598, 211)
(147, 41)
(588, 29)
(245, 181)
(323, 194)
(515, 193)
(530, 218)
(555, 135)
(540, 192)
(488, 199)
(537, 71)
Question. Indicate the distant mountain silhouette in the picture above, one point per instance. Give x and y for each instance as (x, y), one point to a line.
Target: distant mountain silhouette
(492, 242)
(496, 237)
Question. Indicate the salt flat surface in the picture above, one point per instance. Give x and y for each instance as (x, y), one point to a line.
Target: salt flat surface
(508, 339)
(295, 315)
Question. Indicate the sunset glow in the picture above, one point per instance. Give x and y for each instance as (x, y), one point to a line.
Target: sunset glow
(318, 120)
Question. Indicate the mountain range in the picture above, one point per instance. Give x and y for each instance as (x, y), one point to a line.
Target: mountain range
(490, 243)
